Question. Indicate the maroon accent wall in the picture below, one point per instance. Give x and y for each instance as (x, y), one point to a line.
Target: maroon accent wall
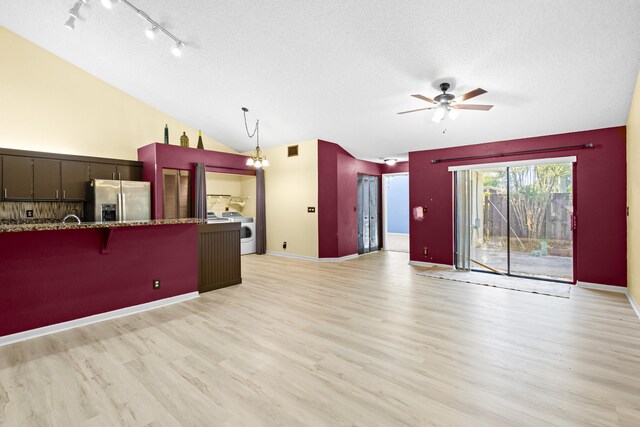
(600, 183)
(338, 199)
(156, 157)
(48, 277)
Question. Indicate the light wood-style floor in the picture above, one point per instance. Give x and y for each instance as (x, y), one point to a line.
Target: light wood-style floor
(363, 342)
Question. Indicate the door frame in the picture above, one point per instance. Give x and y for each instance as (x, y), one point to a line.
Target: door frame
(540, 161)
(385, 177)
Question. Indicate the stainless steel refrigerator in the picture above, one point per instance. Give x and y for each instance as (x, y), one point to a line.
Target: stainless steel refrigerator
(114, 200)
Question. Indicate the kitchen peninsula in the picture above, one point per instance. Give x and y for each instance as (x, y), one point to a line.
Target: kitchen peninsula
(53, 274)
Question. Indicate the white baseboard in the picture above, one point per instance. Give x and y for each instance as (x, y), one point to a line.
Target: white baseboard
(101, 317)
(634, 303)
(610, 288)
(601, 287)
(313, 259)
(428, 264)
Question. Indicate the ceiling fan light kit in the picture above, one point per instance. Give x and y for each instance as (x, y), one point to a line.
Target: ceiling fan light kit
(150, 32)
(447, 105)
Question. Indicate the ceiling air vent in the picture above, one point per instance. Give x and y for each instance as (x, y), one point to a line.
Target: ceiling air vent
(292, 150)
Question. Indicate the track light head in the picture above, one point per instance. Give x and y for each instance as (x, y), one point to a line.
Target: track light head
(109, 3)
(75, 10)
(151, 32)
(177, 49)
(71, 23)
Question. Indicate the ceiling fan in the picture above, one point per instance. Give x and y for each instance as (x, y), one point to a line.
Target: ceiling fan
(448, 104)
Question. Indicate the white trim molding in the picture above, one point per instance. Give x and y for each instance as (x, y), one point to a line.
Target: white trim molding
(429, 264)
(101, 317)
(609, 288)
(601, 287)
(313, 259)
(570, 159)
(634, 303)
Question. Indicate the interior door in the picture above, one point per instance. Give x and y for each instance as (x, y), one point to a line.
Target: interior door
(368, 208)
(374, 197)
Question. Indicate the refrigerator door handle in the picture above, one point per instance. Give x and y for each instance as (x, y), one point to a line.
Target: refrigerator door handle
(119, 207)
(124, 206)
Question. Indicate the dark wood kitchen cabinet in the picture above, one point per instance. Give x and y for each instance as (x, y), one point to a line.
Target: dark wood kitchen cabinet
(74, 178)
(113, 171)
(1, 191)
(129, 173)
(17, 178)
(104, 171)
(46, 180)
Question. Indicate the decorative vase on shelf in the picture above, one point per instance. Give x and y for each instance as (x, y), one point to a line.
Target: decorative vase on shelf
(200, 144)
(184, 140)
(166, 134)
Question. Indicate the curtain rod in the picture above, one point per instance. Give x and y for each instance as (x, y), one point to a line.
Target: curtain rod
(514, 153)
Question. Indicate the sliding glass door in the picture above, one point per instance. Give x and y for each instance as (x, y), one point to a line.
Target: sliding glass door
(516, 220)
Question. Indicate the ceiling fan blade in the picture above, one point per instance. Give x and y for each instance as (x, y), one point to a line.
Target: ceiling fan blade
(473, 107)
(469, 95)
(424, 98)
(419, 109)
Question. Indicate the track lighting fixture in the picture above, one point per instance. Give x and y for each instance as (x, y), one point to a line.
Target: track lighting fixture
(71, 23)
(74, 13)
(75, 10)
(108, 3)
(177, 49)
(151, 32)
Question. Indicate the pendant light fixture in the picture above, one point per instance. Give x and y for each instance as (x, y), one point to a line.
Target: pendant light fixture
(258, 160)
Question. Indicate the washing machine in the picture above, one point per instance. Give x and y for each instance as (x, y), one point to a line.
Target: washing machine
(247, 231)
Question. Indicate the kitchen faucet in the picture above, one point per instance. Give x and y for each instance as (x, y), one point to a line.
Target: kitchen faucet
(64, 220)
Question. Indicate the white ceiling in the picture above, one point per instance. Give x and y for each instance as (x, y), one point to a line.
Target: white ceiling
(341, 70)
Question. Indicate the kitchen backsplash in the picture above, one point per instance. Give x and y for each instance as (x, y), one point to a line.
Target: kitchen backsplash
(42, 211)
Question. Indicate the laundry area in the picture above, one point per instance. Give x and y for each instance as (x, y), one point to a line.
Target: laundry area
(232, 198)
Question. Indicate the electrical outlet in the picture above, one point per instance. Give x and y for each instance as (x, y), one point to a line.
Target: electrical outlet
(156, 284)
(29, 213)
(284, 245)
(426, 251)
(311, 209)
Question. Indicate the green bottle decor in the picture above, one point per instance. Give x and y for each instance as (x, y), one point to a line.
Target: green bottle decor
(200, 144)
(166, 134)
(184, 140)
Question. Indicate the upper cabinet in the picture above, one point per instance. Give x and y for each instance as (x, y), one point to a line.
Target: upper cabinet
(46, 180)
(104, 171)
(34, 176)
(17, 178)
(74, 178)
(130, 173)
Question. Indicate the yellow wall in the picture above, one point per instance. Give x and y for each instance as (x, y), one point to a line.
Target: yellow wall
(633, 195)
(248, 189)
(291, 185)
(48, 104)
(235, 185)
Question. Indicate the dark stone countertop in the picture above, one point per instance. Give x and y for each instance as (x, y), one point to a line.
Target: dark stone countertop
(50, 226)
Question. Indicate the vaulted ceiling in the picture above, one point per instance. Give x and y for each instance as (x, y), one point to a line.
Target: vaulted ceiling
(340, 71)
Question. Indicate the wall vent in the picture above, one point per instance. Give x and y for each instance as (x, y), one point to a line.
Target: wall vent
(292, 150)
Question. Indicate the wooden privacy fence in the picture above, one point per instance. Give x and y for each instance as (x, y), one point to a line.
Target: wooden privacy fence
(555, 223)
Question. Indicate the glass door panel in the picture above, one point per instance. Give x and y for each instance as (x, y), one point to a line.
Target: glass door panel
(488, 222)
(541, 213)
